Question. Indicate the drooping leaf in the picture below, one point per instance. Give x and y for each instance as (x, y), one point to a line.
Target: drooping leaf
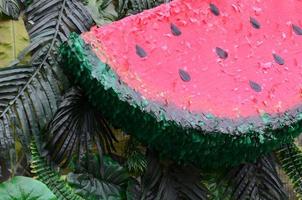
(10, 8)
(27, 111)
(46, 174)
(290, 158)
(24, 188)
(78, 128)
(107, 186)
(13, 40)
(254, 181)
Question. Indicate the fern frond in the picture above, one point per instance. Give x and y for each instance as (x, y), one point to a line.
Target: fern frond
(290, 158)
(44, 173)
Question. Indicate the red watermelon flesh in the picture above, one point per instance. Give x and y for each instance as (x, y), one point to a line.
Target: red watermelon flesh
(231, 58)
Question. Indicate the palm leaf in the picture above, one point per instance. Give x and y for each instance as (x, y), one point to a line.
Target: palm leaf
(290, 158)
(27, 111)
(13, 40)
(77, 128)
(167, 180)
(10, 8)
(254, 181)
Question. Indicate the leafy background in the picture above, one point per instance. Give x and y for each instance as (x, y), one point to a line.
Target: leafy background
(51, 133)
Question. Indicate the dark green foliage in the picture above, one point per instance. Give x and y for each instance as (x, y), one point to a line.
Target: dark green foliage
(136, 162)
(13, 118)
(290, 158)
(163, 181)
(130, 7)
(78, 128)
(102, 11)
(44, 173)
(24, 188)
(10, 8)
(30, 97)
(253, 181)
(62, 17)
(93, 184)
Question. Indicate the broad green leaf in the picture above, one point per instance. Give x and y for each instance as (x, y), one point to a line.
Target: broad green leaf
(92, 188)
(24, 188)
(13, 39)
(108, 186)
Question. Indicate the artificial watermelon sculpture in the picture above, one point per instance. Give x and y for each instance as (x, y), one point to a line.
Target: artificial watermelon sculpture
(212, 83)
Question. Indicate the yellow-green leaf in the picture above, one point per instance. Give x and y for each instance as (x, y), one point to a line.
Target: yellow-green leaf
(13, 39)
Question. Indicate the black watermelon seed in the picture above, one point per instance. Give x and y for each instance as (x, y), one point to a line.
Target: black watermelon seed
(278, 59)
(255, 86)
(140, 51)
(221, 53)
(255, 23)
(297, 29)
(214, 9)
(184, 75)
(175, 30)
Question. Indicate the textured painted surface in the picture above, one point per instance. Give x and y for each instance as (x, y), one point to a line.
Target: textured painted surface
(203, 140)
(229, 58)
(210, 84)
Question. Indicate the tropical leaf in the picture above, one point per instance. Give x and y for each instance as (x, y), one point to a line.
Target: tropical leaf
(108, 185)
(10, 8)
(102, 11)
(136, 162)
(46, 174)
(27, 111)
(13, 40)
(167, 181)
(77, 128)
(290, 158)
(24, 188)
(130, 7)
(254, 181)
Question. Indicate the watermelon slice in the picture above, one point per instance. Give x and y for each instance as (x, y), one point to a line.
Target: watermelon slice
(213, 83)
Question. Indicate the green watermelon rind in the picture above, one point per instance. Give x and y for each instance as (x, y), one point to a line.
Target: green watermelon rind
(203, 140)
